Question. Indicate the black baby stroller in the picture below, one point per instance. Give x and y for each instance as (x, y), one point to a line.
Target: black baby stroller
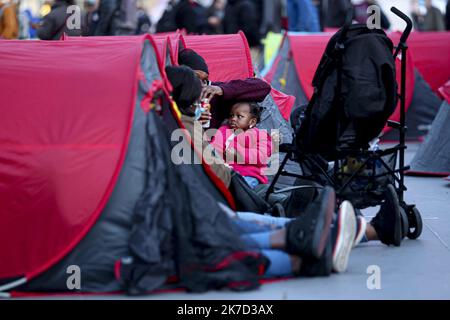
(355, 94)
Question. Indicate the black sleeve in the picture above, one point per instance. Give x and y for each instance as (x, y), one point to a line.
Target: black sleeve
(47, 29)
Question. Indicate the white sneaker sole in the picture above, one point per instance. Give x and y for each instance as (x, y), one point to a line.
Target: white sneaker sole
(361, 230)
(345, 237)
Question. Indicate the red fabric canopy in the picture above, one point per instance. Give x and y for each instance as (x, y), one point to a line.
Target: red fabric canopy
(431, 55)
(172, 40)
(228, 57)
(67, 108)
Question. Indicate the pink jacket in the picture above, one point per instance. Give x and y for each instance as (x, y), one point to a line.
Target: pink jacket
(253, 148)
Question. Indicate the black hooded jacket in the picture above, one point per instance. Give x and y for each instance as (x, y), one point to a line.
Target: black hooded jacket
(242, 15)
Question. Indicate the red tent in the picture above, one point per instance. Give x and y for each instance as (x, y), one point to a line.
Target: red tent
(63, 142)
(228, 56)
(430, 52)
(173, 40)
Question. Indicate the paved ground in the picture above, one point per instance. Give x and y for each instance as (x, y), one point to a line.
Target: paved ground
(419, 269)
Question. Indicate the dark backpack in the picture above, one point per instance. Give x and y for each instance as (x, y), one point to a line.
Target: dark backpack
(355, 92)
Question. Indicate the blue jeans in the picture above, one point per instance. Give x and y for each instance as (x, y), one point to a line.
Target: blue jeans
(252, 182)
(255, 230)
(263, 219)
(302, 16)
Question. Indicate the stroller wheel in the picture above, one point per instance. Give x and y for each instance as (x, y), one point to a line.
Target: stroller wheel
(405, 222)
(415, 223)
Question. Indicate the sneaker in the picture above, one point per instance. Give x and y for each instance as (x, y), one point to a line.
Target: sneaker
(299, 199)
(312, 267)
(387, 223)
(344, 233)
(361, 225)
(307, 235)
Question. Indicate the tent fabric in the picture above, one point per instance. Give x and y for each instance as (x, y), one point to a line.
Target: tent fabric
(271, 44)
(63, 144)
(430, 52)
(433, 156)
(421, 113)
(174, 40)
(445, 91)
(164, 49)
(228, 56)
(107, 240)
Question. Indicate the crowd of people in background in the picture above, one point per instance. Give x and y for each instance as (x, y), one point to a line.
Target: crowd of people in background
(254, 17)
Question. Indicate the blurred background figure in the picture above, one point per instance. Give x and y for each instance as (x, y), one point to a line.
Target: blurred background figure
(216, 13)
(334, 12)
(191, 16)
(9, 23)
(447, 15)
(271, 16)
(53, 25)
(428, 18)
(143, 23)
(90, 17)
(167, 21)
(117, 17)
(360, 13)
(303, 16)
(243, 15)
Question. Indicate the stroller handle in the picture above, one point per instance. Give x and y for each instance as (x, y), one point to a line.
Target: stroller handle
(408, 21)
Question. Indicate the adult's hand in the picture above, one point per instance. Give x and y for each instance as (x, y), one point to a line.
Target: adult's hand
(209, 92)
(205, 117)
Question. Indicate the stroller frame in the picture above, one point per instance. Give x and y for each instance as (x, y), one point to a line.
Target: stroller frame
(411, 218)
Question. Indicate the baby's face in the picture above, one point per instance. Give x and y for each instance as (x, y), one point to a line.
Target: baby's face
(240, 117)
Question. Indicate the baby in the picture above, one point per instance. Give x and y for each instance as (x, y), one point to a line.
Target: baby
(243, 146)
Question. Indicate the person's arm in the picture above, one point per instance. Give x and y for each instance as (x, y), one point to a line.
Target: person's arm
(250, 89)
(10, 24)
